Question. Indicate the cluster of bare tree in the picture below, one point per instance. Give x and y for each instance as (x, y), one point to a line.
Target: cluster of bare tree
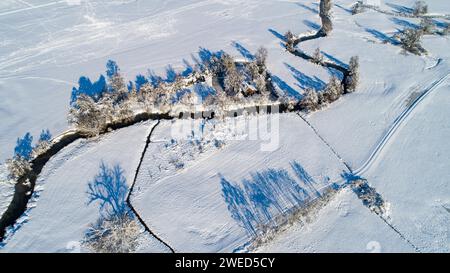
(410, 38)
(239, 83)
(335, 88)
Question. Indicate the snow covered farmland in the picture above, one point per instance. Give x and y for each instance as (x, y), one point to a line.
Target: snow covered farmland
(228, 193)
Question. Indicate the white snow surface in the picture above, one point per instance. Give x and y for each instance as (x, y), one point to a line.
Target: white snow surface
(344, 225)
(59, 217)
(413, 174)
(49, 44)
(188, 208)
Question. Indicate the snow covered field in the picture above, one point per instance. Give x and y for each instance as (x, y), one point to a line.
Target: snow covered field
(196, 196)
(344, 225)
(193, 208)
(58, 218)
(413, 174)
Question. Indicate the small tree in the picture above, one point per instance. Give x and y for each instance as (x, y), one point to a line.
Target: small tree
(290, 40)
(325, 16)
(117, 86)
(118, 235)
(333, 90)
(17, 167)
(317, 56)
(43, 143)
(420, 8)
(87, 116)
(427, 26)
(233, 79)
(446, 29)
(352, 78)
(358, 7)
(410, 41)
(261, 58)
(310, 100)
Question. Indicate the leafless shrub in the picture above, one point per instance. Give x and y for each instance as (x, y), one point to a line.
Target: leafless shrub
(310, 101)
(410, 40)
(420, 8)
(117, 235)
(352, 79)
(317, 56)
(17, 167)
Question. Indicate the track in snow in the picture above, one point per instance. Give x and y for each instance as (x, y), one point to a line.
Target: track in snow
(147, 143)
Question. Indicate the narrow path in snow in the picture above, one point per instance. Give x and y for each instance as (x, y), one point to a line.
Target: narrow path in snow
(130, 192)
(326, 143)
(397, 124)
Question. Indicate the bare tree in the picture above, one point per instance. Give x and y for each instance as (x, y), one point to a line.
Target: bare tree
(352, 78)
(118, 235)
(317, 56)
(410, 40)
(420, 8)
(261, 58)
(233, 79)
(325, 16)
(17, 167)
(290, 40)
(333, 90)
(427, 26)
(87, 116)
(358, 7)
(310, 101)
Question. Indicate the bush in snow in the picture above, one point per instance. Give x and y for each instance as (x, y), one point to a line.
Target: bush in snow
(427, 26)
(410, 41)
(317, 56)
(358, 7)
(261, 59)
(352, 78)
(333, 90)
(420, 8)
(43, 143)
(233, 79)
(325, 16)
(310, 101)
(17, 168)
(117, 235)
(87, 116)
(446, 29)
(290, 40)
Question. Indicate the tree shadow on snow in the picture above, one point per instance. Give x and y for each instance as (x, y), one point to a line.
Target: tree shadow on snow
(347, 10)
(382, 37)
(243, 51)
(308, 8)
(286, 88)
(109, 188)
(399, 8)
(267, 194)
(312, 25)
(305, 81)
(404, 23)
(277, 34)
